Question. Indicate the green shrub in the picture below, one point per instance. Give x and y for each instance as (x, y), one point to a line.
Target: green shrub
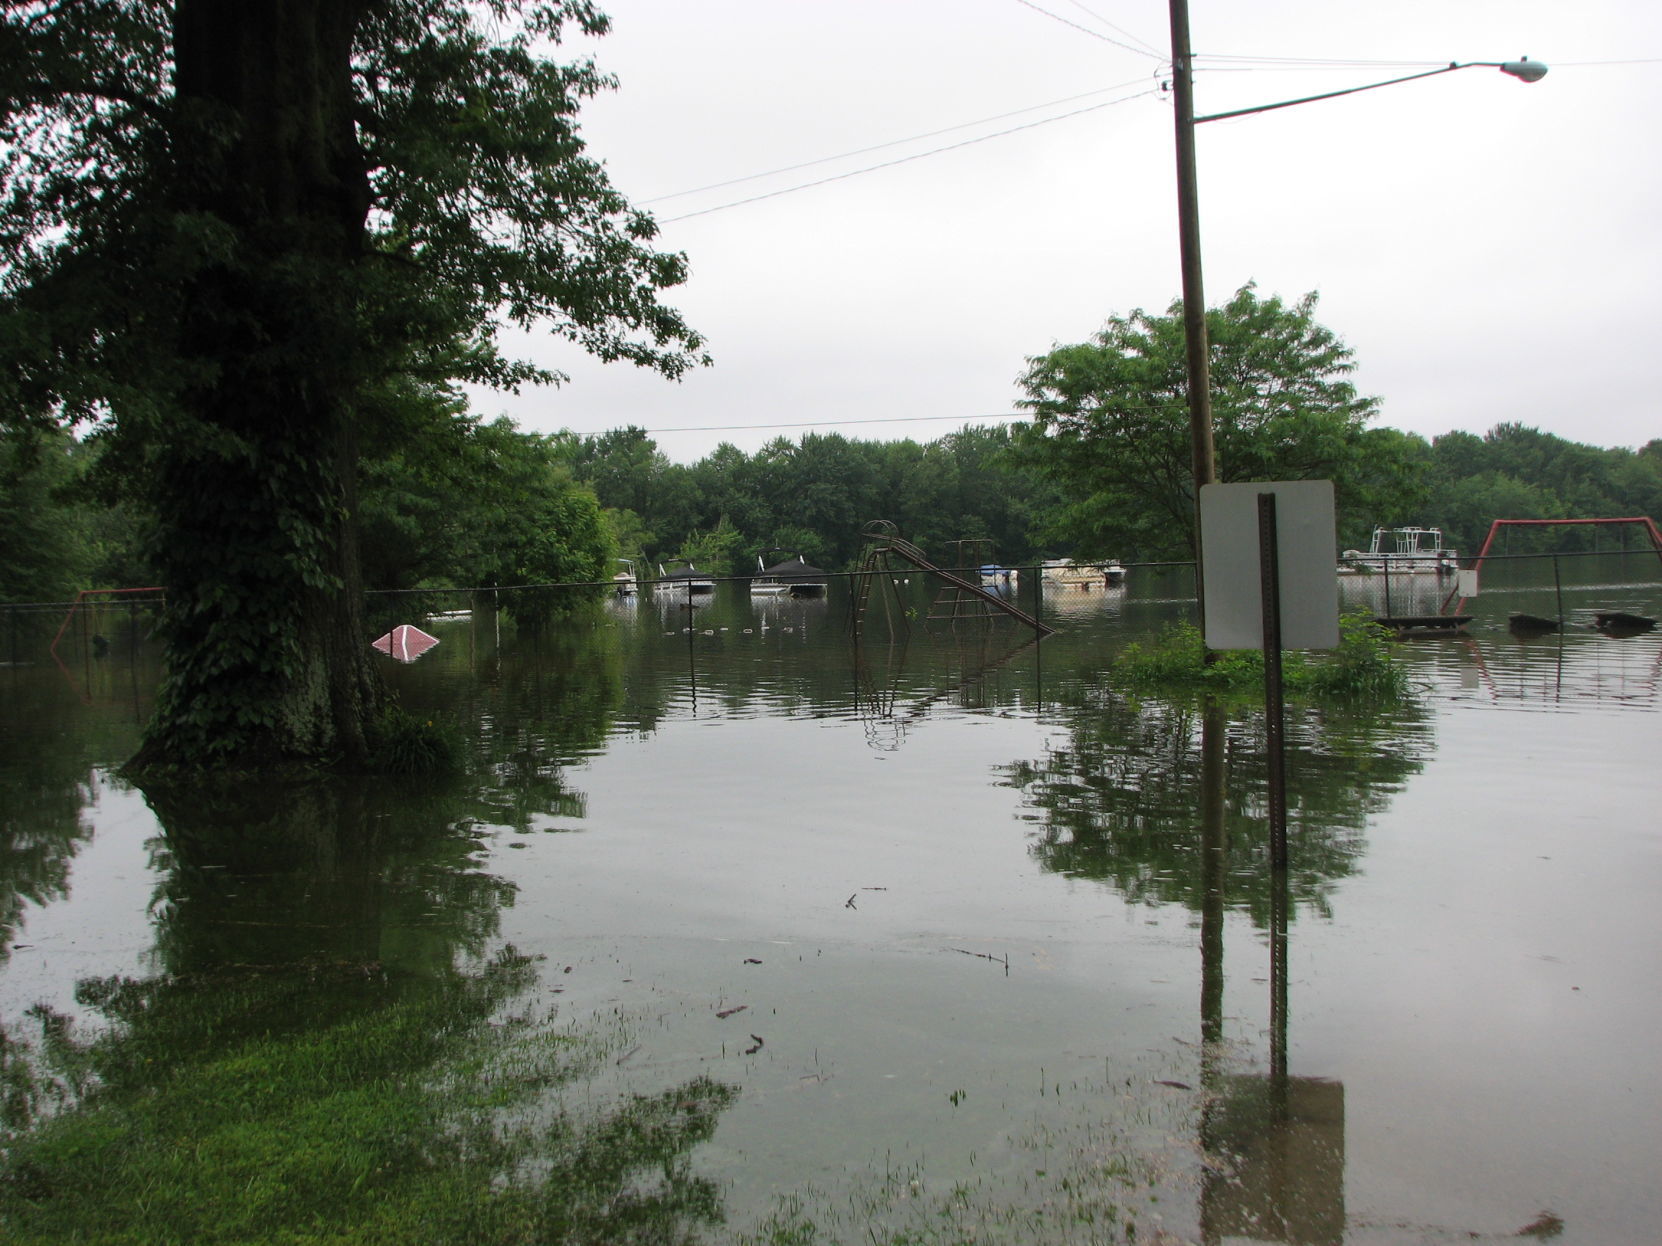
(1361, 668)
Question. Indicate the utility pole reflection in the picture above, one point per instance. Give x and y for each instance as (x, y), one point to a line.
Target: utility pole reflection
(1274, 1145)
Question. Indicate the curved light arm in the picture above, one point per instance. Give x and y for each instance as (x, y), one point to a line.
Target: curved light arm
(1524, 70)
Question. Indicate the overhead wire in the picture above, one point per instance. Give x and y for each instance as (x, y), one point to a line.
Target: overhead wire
(1216, 62)
(1132, 408)
(934, 151)
(1153, 51)
(896, 142)
(1095, 34)
(1321, 63)
(891, 419)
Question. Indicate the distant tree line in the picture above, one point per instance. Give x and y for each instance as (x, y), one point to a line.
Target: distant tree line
(473, 503)
(813, 496)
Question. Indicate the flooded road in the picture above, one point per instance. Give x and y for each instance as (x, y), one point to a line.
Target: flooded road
(929, 934)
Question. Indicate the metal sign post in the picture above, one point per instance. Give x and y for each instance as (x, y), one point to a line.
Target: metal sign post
(1275, 740)
(1267, 552)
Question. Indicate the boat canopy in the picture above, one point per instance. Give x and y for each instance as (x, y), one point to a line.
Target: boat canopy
(794, 569)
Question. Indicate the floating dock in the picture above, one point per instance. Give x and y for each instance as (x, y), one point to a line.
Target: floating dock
(1425, 624)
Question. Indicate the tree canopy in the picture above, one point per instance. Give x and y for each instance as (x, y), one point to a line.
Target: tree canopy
(1111, 421)
(225, 227)
(1516, 472)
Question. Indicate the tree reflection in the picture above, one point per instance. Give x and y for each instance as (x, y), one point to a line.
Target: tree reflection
(42, 829)
(1118, 799)
(320, 872)
(1167, 801)
(47, 782)
(528, 715)
(328, 1048)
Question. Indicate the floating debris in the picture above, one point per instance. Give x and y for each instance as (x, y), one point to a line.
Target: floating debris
(1621, 621)
(1530, 624)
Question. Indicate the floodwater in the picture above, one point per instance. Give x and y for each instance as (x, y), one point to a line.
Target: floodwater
(946, 908)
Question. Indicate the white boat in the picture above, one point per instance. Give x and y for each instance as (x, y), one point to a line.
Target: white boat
(795, 577)
(684, 581)
(624, 583)
(1066, 573)
(1401, 551)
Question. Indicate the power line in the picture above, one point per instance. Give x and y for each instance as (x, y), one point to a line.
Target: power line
(1095, 34)
(1320, 62)
(863, 151)
(889, 164)
(1153, 51)
(1142, 408)
(1653, 60)
(893, 419)
(1325, 61)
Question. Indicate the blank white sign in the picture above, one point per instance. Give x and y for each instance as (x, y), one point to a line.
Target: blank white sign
(1305, 553)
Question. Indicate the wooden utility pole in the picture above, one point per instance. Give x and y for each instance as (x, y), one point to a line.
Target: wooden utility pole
(1196, 349)
(1188, 226)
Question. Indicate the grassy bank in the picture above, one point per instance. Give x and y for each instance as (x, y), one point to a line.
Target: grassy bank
(335, 1104)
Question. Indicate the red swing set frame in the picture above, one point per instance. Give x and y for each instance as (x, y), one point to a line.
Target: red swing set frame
(1645, 524)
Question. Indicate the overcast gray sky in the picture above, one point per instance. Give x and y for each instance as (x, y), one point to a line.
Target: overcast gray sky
(1490, 249)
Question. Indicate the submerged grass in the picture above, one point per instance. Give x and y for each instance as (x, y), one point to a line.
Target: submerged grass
(1361, 670)
(406, 743)
(338, 1105)
(1102, 1161)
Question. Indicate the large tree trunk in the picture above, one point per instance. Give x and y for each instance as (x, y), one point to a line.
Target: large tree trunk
(268, 662)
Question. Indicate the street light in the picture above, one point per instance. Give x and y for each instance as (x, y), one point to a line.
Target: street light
(1523, 68)
(1197, 355)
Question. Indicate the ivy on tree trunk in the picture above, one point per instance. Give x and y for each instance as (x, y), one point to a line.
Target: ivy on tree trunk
(254, 491)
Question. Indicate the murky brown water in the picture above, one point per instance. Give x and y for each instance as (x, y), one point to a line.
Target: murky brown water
(942, 907)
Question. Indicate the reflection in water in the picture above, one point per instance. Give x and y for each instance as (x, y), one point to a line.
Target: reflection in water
(1167, 802)
(1117, 796)
(1276, 1152)
(1068, 601)
(965, 662)
(50, 754)
(328, 1049)
(361, 874)
(1273, 1145)
(41, 836)
(1561, 668)
(357, 934)
(1214, 871)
